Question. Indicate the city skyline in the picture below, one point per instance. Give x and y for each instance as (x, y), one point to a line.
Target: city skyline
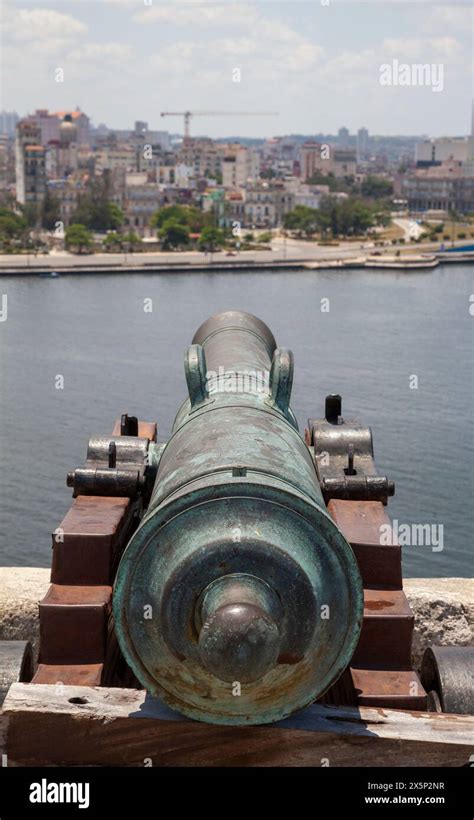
(176, 133)
(124, 60)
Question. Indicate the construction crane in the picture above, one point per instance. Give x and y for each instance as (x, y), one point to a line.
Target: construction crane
(188, 114)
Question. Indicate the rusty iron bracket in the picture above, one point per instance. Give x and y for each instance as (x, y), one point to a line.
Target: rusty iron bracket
(116, 465)
(344, 457)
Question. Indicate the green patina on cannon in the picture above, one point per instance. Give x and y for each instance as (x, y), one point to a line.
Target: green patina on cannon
(237, 599)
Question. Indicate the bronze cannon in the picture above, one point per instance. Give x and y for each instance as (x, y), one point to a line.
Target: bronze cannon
(237, 600)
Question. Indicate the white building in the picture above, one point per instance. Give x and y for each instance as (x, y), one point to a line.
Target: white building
(141, 200)
(326, 159)
(121, 156)
(182, 175)
(434, 151)
(240, 165)
(310, 195)
(266, 204)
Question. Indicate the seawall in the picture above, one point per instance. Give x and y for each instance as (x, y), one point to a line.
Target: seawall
(443, 608)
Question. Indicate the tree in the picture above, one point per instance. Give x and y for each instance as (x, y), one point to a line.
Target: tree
(14, 229)
(328, 215)
(114, 214)
(349, 216)
(382, 218)
(98, 216)
(50, 212)
(175, 213)
(131, 239)
(119, 241)
(30, 212)
(302, 219)
(187, 215)
(77, 236)
(354, 217)
(211, 238)
(173, 234)
(113, 240)
(95, 209)
(376, 187)
(12, 226)
(344, 185)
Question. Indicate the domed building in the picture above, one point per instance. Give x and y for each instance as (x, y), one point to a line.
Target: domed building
(67, 148)
(67, 130)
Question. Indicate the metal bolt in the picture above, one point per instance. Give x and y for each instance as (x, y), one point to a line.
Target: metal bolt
(112, 454)
(350, 462)
(128, 425)
(333, 408)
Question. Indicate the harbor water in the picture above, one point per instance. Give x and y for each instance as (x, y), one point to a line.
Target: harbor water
(396, 345)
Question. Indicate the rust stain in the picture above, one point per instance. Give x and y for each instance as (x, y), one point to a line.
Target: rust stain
(287, 657)
(380, 604)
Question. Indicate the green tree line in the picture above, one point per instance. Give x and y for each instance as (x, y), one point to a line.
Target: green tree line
(336, 217)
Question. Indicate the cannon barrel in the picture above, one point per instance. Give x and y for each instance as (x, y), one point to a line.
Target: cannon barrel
(237, 600)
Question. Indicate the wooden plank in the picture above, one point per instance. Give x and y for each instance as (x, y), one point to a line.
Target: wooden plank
(379, 565)
(125, 727)
(73, 624)
(86, 543)
(84, 674)
(389, 688)
(360, 522)
(387, 630)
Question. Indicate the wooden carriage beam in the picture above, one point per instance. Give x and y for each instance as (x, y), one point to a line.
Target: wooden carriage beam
(98, 726)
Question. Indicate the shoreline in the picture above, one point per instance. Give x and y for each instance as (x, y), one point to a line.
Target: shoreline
(69, 265)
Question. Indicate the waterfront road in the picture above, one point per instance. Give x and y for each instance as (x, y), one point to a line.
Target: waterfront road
(282, 250)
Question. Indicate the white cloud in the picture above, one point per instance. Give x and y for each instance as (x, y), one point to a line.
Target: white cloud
(176, 59)
(181, 54)
(303, 57)
(101, 52)
(417, 48)
(270, 48)
(446, 46)
(195, 13)
(234, 47)
(449, 18)
(41, 25)
(350, 71)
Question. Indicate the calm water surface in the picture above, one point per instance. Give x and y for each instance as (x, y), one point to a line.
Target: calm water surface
(381, 329)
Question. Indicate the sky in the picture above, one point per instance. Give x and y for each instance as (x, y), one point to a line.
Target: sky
(317, 63)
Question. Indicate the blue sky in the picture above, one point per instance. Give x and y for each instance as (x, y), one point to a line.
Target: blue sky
(318, 65)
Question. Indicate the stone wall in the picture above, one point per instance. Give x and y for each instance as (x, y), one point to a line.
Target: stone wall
(443, 607)
(444, 612)
(20, 590)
